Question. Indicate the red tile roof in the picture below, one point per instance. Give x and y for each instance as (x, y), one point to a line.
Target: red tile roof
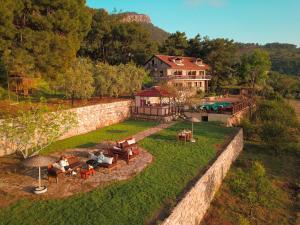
(154, 91)
(188, 63)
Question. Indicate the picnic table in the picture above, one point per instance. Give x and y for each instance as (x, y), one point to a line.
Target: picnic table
(184, 135)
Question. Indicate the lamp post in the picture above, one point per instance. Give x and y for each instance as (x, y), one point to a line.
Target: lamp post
(193, 120)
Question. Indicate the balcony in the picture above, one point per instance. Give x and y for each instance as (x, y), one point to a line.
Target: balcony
(187, 77)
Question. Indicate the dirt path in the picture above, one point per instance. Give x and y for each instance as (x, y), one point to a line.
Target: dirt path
(141, 135)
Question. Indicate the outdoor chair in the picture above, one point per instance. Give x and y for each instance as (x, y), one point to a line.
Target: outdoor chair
(96, 164)
(126, 149)
(54, 172)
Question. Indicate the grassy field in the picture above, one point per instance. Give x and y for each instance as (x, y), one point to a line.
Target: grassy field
(284, 173)
(140, 199)
(113, 132)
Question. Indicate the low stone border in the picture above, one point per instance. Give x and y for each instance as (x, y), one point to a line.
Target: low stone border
(192, 208)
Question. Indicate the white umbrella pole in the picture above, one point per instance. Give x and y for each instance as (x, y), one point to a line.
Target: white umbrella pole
(39, 176)
(192, 129)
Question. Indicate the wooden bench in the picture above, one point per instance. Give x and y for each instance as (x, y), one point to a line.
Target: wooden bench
(96, 164)
(123, 149)
(54, 173)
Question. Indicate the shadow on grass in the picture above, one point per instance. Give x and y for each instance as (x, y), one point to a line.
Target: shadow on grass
(116, 131)
(87, 145)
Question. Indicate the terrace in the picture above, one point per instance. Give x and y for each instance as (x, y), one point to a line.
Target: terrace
(155, 103)
(138, 200)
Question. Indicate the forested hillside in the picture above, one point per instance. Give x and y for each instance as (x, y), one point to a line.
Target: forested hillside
(43, 43)
(285, 58)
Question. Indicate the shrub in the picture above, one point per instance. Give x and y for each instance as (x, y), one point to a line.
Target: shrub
(243, 221)
(277, 124)
(253, 186)
(249, 128)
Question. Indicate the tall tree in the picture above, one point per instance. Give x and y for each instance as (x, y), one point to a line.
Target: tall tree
(176, 44)
(254, 68)
(220, 54)
(96, 44)
(39, 38)
(112, 41)
(79, 80)
(123, 79)
(195, 47)
(131, 42)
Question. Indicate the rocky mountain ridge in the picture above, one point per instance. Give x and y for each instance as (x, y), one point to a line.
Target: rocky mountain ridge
(135, 17)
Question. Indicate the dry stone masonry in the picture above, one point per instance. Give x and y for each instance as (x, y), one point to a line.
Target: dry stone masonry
(191, 209)
(97, 116)
(93, 117)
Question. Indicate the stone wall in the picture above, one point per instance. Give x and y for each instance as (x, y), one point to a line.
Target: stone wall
(228, 119)
(97, 116)
(191, 209)
(94, 117)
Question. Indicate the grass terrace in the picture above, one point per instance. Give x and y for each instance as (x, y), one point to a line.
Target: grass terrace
(113, 133)
(138, 200)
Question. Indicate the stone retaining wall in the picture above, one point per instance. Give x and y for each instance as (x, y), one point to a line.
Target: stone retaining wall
(97, 116)
(191, 209)
(94, 117)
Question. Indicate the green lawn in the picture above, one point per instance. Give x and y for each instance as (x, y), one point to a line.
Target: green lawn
(113, 132)
(137, 200)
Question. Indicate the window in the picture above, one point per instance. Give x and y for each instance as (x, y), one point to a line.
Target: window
(178, 72)
(199, 62)
(190, 84)
(178, 61)
(201, 72)
(153, 62)
(192, 72)
(161, 73)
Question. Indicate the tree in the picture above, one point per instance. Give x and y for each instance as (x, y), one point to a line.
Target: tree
(253, 186)
(124, 79)
(286, 85)
(79, 80)
(131, 42)
(112, 41)
(195, 47)
(32, 131)
(277, 124)
(175, 44)
(40, 38)
(220, 54)
(254, 68)
(96, 44)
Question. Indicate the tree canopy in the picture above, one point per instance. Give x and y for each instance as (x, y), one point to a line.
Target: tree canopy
(112, 41)
(38, 38)
(175, 44)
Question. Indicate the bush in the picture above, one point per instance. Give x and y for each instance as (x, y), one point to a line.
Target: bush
(276, 123)
(249, 128)
(3, 93)
(253, 186)
(243, 221)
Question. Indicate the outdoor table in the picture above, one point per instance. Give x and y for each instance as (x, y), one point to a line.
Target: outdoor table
(85, 173)
(184, 136)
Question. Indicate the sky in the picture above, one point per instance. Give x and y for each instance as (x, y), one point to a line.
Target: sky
(248, 21)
